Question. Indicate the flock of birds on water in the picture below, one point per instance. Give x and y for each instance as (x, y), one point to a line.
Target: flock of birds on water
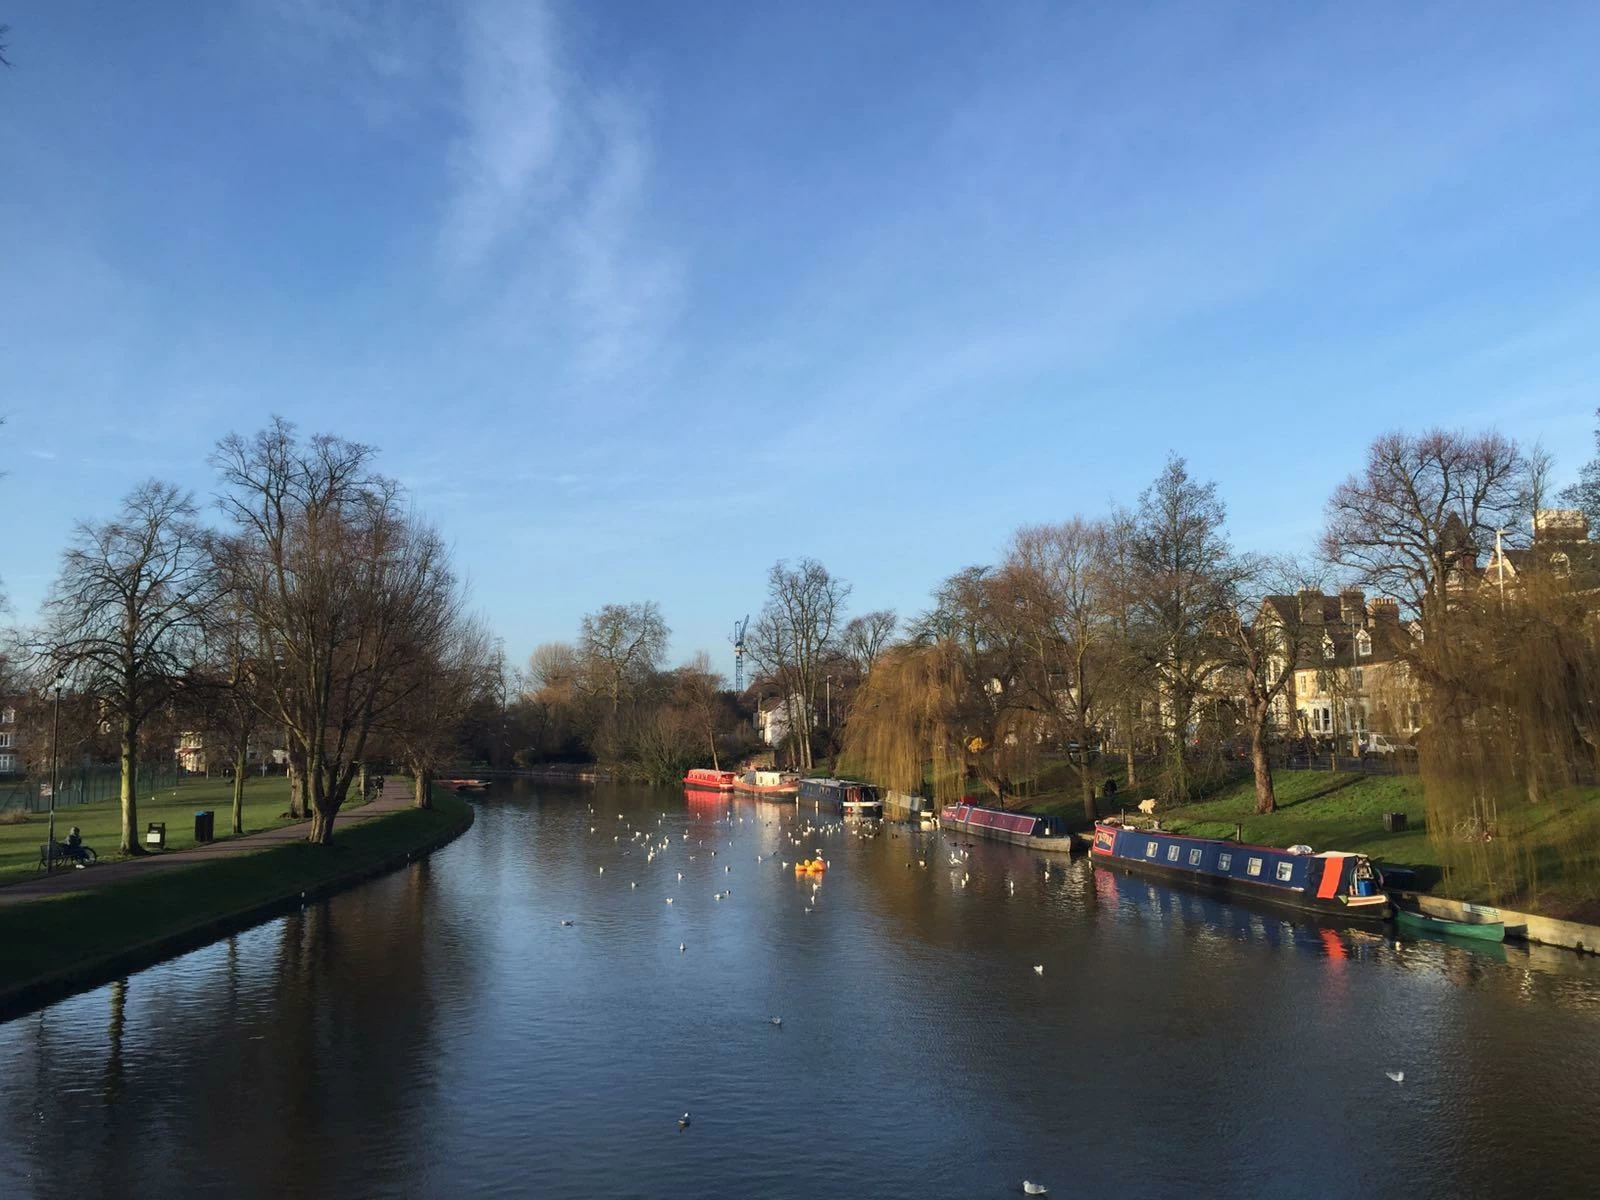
(805, 834)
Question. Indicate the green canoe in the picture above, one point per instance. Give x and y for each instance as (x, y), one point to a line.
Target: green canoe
(1483, 931)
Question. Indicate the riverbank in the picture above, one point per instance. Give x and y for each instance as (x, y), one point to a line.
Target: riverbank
(54, 947)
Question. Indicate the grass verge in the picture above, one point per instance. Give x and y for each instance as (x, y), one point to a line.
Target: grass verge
(53, 947)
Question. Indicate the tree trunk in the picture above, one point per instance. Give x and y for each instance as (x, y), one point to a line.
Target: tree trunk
(1089, 810)
(362, 781)
(240, 766)
(423, 797)
(130, 803)
(298, 808)
(321, 826)
(711, 735)
(1127, 746)
(1266, 797)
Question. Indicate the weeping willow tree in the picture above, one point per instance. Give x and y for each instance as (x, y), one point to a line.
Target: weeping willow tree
(929, 711)
(1510, 688)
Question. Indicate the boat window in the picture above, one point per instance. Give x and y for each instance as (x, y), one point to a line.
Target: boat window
(1194, 857)
(1172, 853)
(1253, 867)
(1285, 870)
(1224, 862)
(1150, 849)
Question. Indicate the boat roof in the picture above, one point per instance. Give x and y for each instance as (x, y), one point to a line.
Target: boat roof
(1194, 837)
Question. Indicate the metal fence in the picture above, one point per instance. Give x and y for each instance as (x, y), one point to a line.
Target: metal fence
(81, 785)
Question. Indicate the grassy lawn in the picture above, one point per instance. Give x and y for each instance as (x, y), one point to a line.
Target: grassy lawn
(46, 937)
(101, 822)
(1327, 810)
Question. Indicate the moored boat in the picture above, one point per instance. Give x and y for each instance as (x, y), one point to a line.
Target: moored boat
(1022, 829)
(703, 779)
(464, 785)
(1480, 930)
(1333, 882)
(779, 784)
(841, 795)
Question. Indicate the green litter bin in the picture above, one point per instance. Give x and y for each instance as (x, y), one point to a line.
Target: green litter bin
(205, 826)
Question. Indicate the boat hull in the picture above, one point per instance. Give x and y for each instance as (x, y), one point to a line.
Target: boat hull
(1488, 931)
(1056, 845)
(781, 791)
(708, 781)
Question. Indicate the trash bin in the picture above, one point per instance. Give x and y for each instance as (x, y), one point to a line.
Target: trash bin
(205, 825)
(1394, 822)
(155, 834)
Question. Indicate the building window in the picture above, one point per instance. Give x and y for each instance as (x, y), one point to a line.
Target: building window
(1194, 857)
(1150, 849)
(1224, 862)
(1253, 867)
(1355, 677)
(1172, 853)
(1561, 564)
(1364, 644)
(1327, 646)
(1285, 871)
(8, 740)
(8, 764)
(8, 716)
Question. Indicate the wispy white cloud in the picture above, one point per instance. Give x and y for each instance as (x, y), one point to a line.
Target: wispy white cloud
(550, 176)
(47, 455)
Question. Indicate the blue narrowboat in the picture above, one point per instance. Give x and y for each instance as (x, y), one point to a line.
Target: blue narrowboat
(841, 795)
(1334, 883)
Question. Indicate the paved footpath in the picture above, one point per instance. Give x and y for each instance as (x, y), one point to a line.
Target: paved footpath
(389, 799)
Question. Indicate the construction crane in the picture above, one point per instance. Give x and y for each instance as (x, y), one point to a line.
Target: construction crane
(738, 653)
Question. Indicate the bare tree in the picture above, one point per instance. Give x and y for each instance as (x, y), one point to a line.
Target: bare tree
(1412, 522)
(1585, 493)
(865, 637)
(553, 667)
(620, 646)
(455, 662)
(700, 692)
(1062, 610)
(1183, 575)
(1271, 636)
(345, 594)
(126, 616)
(793, 636)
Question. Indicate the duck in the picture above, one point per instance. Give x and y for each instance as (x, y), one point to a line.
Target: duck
(683, 1121)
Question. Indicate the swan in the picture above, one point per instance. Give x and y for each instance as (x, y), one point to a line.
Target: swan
(669, 899)
(1029, 1188)
(1038, 968)
(1397, 1076)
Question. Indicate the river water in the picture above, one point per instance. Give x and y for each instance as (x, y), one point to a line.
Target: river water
(440, 1032)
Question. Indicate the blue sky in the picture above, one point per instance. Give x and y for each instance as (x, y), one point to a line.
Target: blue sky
(638, 298)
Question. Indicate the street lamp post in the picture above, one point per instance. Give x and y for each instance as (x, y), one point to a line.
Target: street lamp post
(55, 738)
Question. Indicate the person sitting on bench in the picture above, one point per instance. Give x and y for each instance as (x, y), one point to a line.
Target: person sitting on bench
(74, 845)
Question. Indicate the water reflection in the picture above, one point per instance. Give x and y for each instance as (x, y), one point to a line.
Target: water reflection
(441, 1033)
